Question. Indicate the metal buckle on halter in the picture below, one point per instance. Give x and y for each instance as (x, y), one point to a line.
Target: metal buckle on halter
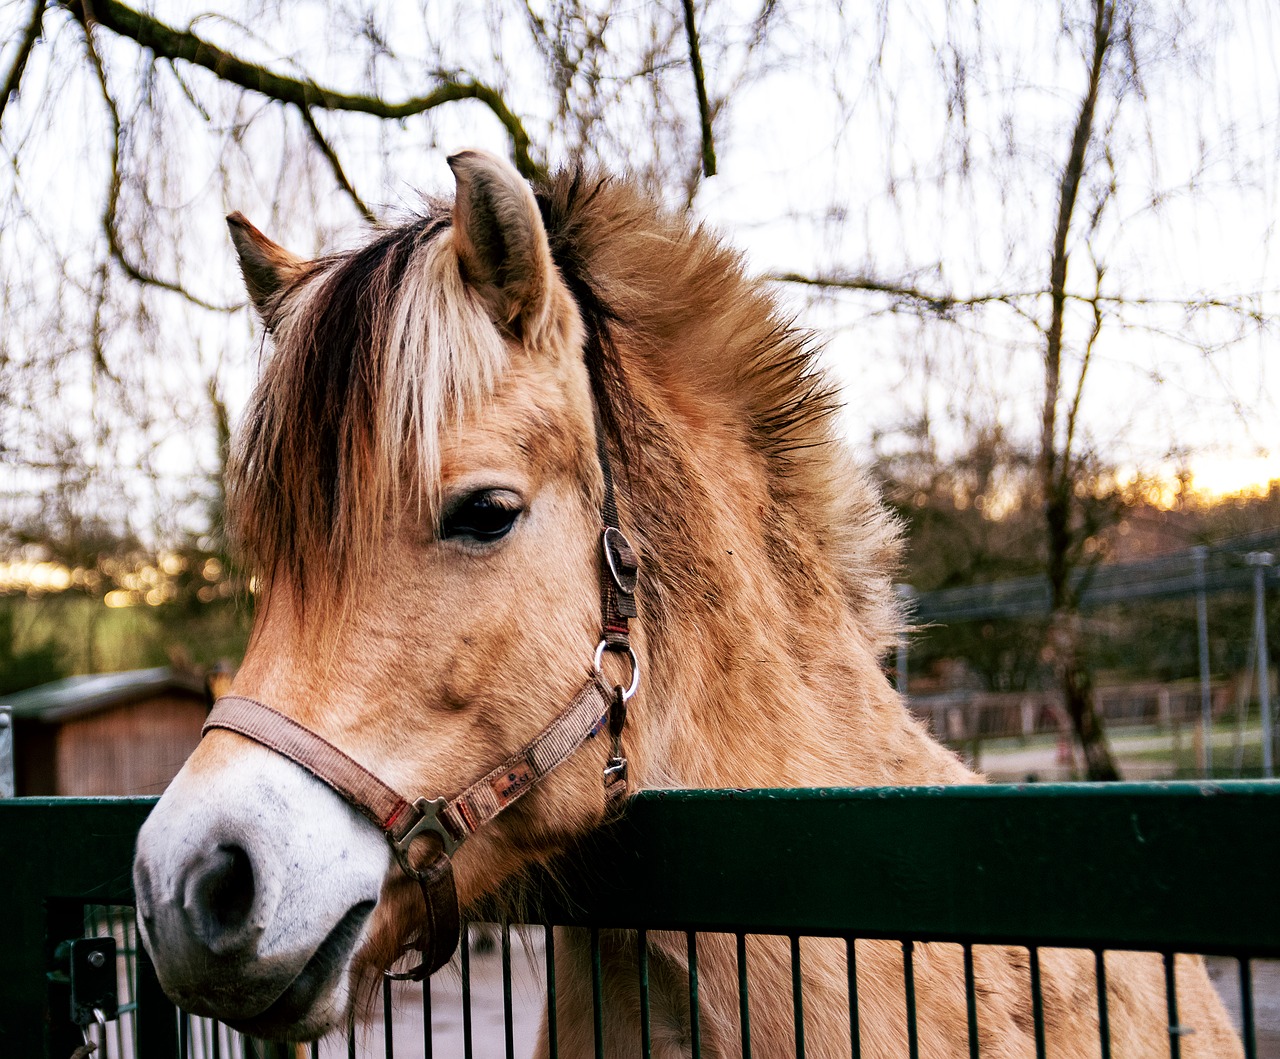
(624, 566)
(605, 645)
(431, 821)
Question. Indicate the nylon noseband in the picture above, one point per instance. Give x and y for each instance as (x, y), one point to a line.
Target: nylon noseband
(445, 823)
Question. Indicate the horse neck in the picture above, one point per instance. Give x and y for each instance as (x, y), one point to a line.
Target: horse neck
(757, 672)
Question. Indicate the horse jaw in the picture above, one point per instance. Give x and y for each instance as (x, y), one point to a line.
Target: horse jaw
(253, 912)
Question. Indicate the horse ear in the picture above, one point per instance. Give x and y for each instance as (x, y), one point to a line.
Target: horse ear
(267, 267)
(501, 243)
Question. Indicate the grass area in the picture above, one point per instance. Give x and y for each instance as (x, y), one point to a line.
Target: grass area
(61, 634)
(1180, 755)
(1140, 753)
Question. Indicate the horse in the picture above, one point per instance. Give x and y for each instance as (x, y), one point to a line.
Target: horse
(418, 487)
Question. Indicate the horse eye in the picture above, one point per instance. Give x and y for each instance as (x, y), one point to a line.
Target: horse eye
(484, 516)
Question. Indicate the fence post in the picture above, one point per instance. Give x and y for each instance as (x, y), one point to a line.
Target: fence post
(1261, 561)
(1199, 553)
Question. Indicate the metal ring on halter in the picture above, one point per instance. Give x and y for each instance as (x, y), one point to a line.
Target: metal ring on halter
(605, 645)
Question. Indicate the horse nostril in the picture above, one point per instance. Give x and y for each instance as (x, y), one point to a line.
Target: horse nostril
(219, 898)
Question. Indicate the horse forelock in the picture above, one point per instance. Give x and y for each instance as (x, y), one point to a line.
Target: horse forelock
(376, 351)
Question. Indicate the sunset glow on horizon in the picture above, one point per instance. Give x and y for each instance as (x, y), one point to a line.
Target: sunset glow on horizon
(1220, 478)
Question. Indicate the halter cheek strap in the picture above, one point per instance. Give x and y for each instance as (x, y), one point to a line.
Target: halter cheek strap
(445, 823)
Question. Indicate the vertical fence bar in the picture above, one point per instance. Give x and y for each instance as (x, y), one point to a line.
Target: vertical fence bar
(1037, 1000)
(1198, 554)
(427, 1035)
(642, 960)
(971, 1001)
(695, 1037)
(744, 1002)
(7, 786)
(1171, 1001)
(1104, 1018)
(388, 1045)
(315, 1050)
(797, 994)
(597, 993)
(216, 1047)
(184, 1035)
(351, 1038)
(129, 937)
(906, 594)
(855, 1030)
(909, 984)
(549, 944)
(1260, 561)
(467, 1049)
(507, 1023)
(1248, 1033)
(108, 918)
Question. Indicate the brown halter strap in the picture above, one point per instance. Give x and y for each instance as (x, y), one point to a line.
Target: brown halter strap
(447, 822)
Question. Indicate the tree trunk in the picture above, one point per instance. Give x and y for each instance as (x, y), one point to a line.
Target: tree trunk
(1076, 682)
(1058, 461)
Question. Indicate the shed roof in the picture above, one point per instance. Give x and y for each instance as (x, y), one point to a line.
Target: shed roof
(75, 696)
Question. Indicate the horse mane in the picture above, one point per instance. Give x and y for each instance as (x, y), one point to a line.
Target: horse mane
(669, 311)
(378, 349)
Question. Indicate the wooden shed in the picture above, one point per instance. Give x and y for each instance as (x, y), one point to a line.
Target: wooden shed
(107, 733)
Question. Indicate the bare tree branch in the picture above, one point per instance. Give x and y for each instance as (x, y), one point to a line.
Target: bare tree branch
(1073, 410)
(169, 43)
(700, 86)
(704, 112)
(331, 156)
(110, 216)
(943, 303)
(936, 302)
(1104, 15)
(30, 34)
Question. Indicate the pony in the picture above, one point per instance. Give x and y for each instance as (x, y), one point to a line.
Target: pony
(417, 487)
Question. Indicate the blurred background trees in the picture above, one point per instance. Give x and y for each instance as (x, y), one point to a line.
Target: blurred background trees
(1039, 236)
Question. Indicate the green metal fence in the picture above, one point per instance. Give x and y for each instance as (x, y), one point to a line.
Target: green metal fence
(1165, 868)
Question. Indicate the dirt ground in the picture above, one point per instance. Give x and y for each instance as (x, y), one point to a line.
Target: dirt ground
(527, 965)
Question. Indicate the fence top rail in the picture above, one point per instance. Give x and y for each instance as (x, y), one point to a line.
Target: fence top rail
(1186, 866)
(1189, 866)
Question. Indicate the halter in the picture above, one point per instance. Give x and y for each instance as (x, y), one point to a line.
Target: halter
(448, 822)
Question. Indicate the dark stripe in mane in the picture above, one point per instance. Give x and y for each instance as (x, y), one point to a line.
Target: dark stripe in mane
(564, 204)
(298, 501)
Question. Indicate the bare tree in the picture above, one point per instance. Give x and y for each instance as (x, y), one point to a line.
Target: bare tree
(1111, 49)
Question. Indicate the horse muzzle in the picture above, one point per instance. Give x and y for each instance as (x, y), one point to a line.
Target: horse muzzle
(255, 888)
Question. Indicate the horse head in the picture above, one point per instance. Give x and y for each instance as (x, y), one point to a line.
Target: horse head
(417, 488)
